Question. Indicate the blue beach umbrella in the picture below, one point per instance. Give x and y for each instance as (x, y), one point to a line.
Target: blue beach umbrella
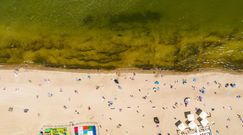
(156, 82)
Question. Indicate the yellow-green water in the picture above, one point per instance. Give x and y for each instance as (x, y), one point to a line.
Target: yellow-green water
(167, 34)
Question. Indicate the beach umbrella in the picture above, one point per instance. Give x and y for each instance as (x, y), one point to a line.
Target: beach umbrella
(204, 122)
(203, 115)
(192, 125)
(156, 82)
(181, 127)
(156, 88)
(186, 100)
(190, 117)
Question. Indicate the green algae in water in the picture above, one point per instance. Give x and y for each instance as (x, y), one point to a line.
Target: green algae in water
(176, 35)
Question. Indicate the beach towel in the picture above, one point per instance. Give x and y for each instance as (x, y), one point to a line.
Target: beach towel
(85, 130)
(55, 131)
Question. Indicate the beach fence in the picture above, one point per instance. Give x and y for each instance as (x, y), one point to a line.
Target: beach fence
(73, 128)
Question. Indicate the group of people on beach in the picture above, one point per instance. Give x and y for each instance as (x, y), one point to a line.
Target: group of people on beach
(157, 86)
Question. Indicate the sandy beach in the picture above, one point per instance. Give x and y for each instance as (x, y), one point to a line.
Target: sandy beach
(121, 103)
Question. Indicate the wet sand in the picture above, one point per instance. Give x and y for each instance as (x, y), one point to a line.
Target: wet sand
(124, 108)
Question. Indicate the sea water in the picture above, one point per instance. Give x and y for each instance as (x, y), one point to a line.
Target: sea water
(169, 34)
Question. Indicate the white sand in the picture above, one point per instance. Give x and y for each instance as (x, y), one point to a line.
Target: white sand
(20, 93)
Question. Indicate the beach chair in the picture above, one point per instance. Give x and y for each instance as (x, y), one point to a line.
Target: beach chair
(198, 111)
(204, 122)
(203, 115)
(181, 126)
(192, 125)
(190, 117)
(187, 113)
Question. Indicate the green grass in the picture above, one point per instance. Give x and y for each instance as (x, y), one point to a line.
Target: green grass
(175, 35)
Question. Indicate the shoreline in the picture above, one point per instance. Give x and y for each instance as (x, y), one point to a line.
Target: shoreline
(121, 70)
